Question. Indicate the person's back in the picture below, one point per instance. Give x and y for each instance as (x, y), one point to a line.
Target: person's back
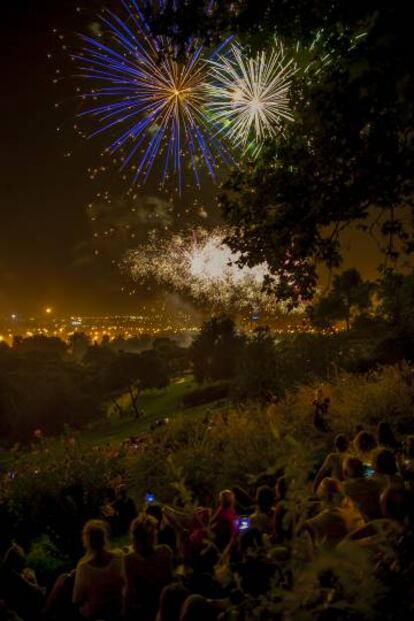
(197, 608)
(99, 577)
(101, 586)
(223, 521)
(333, 462)
(172, 599)
(395, 508)
(363, 490)
(263, 517)
(19, 593)
(365, 445)
(148, 569)
(124, 511)
(337, 517)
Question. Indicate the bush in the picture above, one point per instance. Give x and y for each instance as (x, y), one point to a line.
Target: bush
(54, 489)
(201, 396)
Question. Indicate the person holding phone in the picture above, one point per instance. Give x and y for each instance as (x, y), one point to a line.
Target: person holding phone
(223, 523)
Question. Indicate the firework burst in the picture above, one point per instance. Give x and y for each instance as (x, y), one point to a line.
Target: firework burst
(153, 103)
(203, 267)
(249, 97)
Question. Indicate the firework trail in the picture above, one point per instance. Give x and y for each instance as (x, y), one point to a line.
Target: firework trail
(153, 102)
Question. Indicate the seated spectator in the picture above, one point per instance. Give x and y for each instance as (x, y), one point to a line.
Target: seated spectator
(337, 517)
(99, 576)
(255, 570)
(124, 511)
(282, 522)
(148, 569)
(385, 466)
(223, 521)
(263, 517)
(395, 506)
(172, 599)
(364, 445)
(197, 608)
(332, 466)
(166, 535)
(385, 437)
(203, 579)
(362, 488)
(59, 605)
(18, 587)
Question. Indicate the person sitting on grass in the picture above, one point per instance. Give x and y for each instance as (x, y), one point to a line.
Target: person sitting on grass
(166, 534)
(148, 569)
(362, 488)
(395, 507)
(99, 578)
(336, 519)
(18, 586)
(198, 608)
(333, 464)
(386, 470)
(364, 445)
(172, 599)
(263, 517)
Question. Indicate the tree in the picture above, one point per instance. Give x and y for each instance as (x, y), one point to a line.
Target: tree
(177, 357)
(347, 158)
(46, 347)
(396, 300)
(79, 343)
(153, 370)
(257, 369)
(349, 294)
(215, 350)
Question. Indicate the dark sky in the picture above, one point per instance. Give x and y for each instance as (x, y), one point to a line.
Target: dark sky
(47, 247)
(42, 193)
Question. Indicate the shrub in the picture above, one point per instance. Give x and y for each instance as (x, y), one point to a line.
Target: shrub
(208, 394)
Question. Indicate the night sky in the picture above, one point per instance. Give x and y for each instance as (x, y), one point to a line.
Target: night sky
(48, 252)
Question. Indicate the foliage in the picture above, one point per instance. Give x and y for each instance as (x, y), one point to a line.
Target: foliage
(214, 453)
(54, 489)
(215, 349)
(258, 368)
(46, 559)
(206, 394)
(348, 156)
(349, 293)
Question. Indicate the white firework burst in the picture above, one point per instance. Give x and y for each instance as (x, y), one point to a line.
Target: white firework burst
(250, 97)
(202, 266)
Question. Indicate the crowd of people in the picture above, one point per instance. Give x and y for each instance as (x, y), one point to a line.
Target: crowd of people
(198, 564)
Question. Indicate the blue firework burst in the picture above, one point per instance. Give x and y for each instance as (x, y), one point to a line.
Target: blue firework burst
(151, 102)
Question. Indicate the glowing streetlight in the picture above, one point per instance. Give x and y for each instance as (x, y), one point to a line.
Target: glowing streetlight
(48, 310)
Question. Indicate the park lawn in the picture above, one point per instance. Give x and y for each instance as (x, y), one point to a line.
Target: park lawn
(156, 404)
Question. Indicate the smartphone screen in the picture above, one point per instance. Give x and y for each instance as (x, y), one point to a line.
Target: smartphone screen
(243, 523)
(368, 471)
(149, 498)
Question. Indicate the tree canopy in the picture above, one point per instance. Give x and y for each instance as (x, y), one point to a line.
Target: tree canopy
(348, 156)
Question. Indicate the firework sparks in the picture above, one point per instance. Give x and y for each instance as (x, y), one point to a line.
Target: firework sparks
(203, 267)
(250, 96)
(153, 103)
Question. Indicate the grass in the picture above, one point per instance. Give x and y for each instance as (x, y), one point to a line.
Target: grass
(156, 404)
